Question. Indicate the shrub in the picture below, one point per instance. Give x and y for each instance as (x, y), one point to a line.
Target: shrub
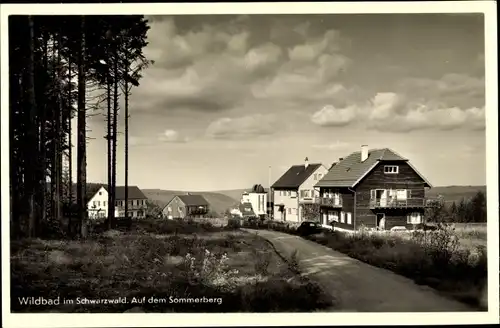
(210, 269)
(263, 260)
(234, 223)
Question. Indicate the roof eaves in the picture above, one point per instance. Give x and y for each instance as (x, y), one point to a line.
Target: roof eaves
(366, 173)
(419, 174)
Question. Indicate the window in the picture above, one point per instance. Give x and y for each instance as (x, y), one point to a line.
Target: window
(391, 169)
(342, 217)
(94, 203)
(349, 218)
(98, 203)
(293, 194)
(414, 218)
(320, 176)
(104, 203)
(289, 193)
(401, 194)
(333, 216)
(315, 176)
(100, 193)
(169, 209)
(305, 193)
(289, 211)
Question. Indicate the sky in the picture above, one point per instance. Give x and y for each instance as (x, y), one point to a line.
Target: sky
(230, 96)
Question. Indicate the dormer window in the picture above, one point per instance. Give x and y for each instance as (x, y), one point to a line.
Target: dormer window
(391, 169)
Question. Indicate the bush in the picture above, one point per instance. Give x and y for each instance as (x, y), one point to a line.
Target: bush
(234, 223)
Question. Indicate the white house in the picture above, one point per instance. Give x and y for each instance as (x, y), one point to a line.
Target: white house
(98, 206)
(257, 197)
(295, 189)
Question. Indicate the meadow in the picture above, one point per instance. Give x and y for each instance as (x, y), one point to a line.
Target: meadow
(160, 260)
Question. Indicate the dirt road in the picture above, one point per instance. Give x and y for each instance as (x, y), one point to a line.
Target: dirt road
(357, 286)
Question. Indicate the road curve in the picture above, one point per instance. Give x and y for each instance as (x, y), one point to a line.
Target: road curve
(357, 286)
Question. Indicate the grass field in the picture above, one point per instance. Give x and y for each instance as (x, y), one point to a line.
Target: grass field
(156, 261)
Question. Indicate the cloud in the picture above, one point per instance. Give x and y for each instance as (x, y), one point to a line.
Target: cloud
(171, 136)
(242, 127)
(455, 90)
(394, 113)
(455, 101)
(211, 67)
(331, 116)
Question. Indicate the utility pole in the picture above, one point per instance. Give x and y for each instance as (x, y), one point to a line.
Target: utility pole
(269, 192)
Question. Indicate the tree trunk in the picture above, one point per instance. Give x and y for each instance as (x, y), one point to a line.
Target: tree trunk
(32, 146)
(126, 90)
(15, 127)
(115, 132)
(58, 137)
(81, 155)
(110, 160)
(70, 150)
(43, 109)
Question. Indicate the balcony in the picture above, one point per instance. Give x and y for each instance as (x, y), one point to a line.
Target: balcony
(307, 200)
(398, 203)
(329, 202)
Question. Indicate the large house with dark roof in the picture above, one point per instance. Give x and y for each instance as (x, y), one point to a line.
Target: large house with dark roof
(97, 204)
(375, 188)
(183, 206)
(295, 189)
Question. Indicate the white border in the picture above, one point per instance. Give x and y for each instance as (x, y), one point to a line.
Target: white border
(142, 320)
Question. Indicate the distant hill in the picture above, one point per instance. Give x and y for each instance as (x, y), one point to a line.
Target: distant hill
(455, 193)
(234, 193)
(218, 202)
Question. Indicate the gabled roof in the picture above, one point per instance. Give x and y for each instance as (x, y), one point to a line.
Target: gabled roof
(92, 188)
(349, 171)
(295, 176)
(133, 192)
(193, 200)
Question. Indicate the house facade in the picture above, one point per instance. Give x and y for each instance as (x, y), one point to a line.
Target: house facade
(184, 206)
(295, 190)
(98, 206)
(257, 197)
(374, 189)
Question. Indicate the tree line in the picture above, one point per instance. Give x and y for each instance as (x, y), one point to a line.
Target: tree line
(61, 69)
(471, 210)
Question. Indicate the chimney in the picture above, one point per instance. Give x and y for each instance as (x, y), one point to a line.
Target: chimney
(364, 152)
(306, 162)
(341, 158)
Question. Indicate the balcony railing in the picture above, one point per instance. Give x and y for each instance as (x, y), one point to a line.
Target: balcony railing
(397, 203)
(327, 201)
(307, 200)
